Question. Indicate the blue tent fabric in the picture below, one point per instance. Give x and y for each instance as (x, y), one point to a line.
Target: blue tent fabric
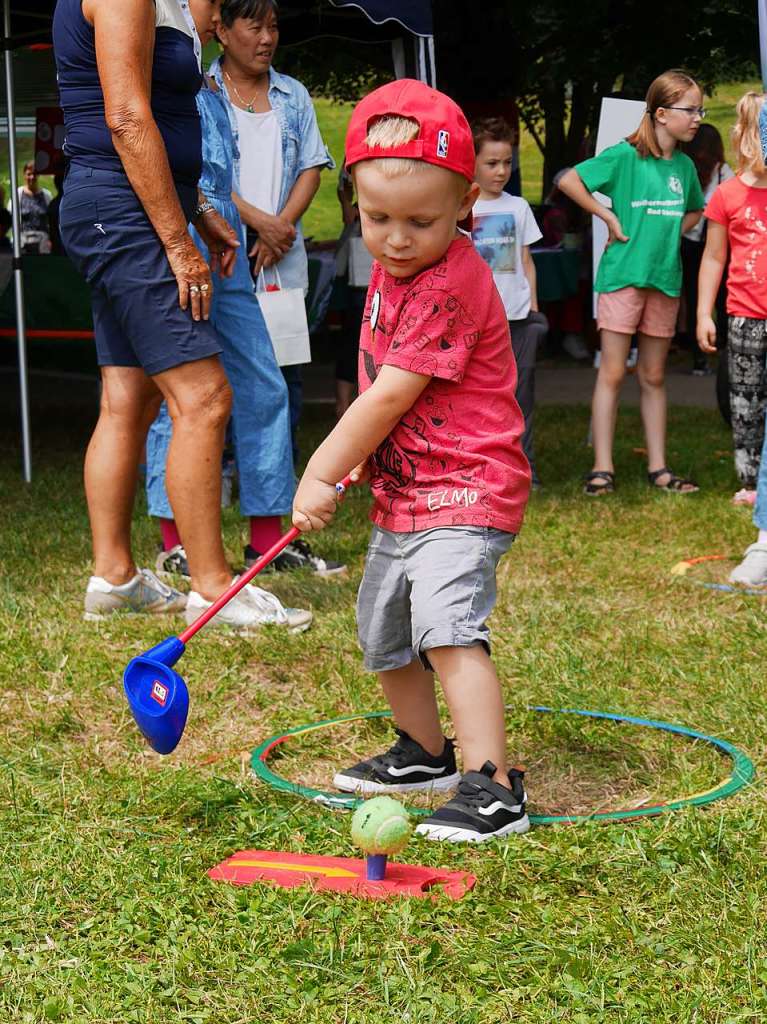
(414, 15)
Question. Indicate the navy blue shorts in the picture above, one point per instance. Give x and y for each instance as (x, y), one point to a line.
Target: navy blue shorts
(136, 316)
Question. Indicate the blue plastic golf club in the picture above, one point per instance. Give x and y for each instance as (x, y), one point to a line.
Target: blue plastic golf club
(157, 695)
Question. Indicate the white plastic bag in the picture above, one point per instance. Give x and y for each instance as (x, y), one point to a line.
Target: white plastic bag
(285, 315)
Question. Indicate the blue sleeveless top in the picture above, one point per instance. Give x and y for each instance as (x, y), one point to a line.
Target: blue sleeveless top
(176, 80)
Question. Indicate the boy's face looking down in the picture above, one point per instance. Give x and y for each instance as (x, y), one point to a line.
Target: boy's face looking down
(408, 220)
(493, 167)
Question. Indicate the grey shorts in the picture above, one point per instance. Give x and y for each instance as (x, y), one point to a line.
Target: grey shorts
(433, 588)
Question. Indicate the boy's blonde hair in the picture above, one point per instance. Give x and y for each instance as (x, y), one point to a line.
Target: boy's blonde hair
(664, 91)
(745, 135)
(394, 130)
(388, 132)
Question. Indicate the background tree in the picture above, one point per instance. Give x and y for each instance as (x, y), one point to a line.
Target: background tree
(558, 58)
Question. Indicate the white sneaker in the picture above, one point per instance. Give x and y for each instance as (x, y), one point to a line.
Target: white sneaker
(144, 594)
(752, 571)
(249, 610)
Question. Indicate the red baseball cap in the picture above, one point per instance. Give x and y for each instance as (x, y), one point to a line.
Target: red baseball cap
(444, 138)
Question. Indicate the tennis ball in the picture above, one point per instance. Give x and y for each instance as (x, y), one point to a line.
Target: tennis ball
(381, 825)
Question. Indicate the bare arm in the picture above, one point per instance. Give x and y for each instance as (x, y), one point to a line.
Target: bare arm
(572, 186)
(528, 265)
(124, 33)
(357, 434)
(690, 220)
(710, 277)
(301, 195)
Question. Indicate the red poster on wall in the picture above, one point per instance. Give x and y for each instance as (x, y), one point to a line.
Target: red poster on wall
(49, 140)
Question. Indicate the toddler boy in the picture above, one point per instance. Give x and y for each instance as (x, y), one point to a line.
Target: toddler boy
(437, 427)
(503, 231)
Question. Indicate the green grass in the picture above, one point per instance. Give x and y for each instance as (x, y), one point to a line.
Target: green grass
(107, 916)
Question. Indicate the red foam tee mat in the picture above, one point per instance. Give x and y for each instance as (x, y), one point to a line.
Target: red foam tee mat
(340, 874)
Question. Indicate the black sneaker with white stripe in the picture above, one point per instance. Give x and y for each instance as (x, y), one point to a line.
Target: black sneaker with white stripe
(481, 809)
(403, 768)
(172, 563)
(297, 555)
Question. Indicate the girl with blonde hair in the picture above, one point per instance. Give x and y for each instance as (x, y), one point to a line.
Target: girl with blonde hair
(656, 197)
(737, 218)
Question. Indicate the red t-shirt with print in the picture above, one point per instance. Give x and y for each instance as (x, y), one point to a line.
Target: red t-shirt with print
(454, 459)
(743, 211)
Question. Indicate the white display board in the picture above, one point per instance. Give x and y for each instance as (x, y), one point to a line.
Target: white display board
(617, 119)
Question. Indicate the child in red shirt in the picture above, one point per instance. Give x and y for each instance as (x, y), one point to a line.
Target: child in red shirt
(438, 429)
(737, 214)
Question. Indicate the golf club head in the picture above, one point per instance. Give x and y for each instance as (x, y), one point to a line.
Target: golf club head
(159, 700)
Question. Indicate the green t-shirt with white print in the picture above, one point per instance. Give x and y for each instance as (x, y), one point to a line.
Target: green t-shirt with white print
(650, 197)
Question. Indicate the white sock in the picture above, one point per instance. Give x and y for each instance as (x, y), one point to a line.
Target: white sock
(762, 538)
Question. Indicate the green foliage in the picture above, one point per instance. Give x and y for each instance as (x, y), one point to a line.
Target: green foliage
(337, 69)
(571, 55)
(107, 915)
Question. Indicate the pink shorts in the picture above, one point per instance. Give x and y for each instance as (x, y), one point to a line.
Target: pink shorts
(638, 311)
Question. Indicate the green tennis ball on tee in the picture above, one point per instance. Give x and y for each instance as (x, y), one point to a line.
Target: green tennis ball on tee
(381, 825)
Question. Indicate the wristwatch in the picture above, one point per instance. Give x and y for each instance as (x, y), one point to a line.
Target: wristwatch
(202, 209)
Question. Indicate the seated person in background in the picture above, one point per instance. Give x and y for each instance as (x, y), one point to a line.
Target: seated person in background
(503, 231)
(33, 206)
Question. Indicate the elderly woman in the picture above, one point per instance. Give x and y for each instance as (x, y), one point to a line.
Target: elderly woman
(128, 76)
(260, 419)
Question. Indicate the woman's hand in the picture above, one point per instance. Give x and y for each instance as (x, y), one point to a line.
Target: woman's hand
(615, 231)
(706, 334)
(276, 232)
(314, 504)
(263, 256)
(221, 240)
(192, 273)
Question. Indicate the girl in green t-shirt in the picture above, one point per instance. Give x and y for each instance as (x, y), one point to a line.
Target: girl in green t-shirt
(656, 197)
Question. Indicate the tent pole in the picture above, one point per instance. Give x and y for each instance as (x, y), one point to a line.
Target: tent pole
(18, 277)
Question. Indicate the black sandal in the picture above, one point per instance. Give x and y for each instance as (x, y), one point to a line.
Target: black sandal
(675, 484)
(606, 487)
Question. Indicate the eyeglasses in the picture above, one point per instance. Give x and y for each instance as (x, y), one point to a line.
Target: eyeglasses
(690, 111)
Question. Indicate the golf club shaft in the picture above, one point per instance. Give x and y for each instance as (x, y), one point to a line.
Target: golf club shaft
(246, 577)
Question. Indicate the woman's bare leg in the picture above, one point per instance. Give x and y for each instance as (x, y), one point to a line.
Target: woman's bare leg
(129, 403)
(199, 400)
(604, 404)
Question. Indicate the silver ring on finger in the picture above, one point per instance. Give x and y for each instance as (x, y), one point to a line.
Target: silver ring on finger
(194, 289)
(204, 288)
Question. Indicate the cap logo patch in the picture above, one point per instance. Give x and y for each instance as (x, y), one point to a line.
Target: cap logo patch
(443, 141)
(159, 693)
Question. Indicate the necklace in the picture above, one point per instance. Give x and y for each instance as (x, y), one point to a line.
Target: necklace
(248, 105)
